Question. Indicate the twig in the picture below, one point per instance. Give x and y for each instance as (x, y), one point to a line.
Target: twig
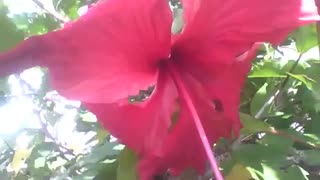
(285, 82)
(277, 92)
(258, 115)
(293, 138)
(55, 14)
(50, 136)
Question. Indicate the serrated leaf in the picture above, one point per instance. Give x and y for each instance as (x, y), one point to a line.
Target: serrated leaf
(127, 169)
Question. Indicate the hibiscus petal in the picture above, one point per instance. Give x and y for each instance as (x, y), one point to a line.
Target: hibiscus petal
(106, 55)
(141, 126)
(183, 147)
(216, 31)
(226, 87)
(247, 20)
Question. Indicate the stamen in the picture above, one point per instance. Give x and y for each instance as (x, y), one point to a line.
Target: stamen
(186, 97)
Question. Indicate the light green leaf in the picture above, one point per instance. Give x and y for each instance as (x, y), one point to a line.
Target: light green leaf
(239, 172)
(259, 99)
(127, 169)
(306, 37)
(4, 86)
(88, 117)
(304, 79)
(266, 72)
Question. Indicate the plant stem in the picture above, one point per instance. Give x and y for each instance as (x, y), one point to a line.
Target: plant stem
(186, 97)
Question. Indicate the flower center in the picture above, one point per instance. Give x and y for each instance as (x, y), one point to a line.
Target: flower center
(184, 96)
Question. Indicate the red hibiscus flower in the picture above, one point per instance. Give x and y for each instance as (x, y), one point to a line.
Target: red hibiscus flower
(122, 46)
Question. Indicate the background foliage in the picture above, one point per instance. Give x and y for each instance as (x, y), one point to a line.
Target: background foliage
(44, 136)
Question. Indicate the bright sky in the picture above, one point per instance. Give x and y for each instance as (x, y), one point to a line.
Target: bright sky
(27, 6)
(19, 6)
(20, 103)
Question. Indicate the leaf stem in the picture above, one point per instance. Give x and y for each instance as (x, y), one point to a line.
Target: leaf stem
(186, 97)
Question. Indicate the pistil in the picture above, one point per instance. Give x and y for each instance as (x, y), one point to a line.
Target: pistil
(193, 112)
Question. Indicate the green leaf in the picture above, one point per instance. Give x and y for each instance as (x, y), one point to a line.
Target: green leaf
(44, 149)
(9, 34)
(107, 172)
(306, 37)
(253, 154)
(279, 144)
(252, 125)
(292, 173)
(295, 173)
(266, 72)
(127, 169)
(69, 7)
(311, 157)
(312, 138)
(239, 172)
(259, 99)
(272, 153)
(4, 86)
(101, 153)
(305, 137)
(304, 79)
(88, 117)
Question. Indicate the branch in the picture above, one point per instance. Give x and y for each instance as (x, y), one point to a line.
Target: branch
(50, 136)
(261, 111)
(277, 92)
(55, 14)
(293, 138)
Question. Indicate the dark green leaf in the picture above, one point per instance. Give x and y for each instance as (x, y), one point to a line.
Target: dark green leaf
(311, 157)
(252, 125)
(9, 35)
